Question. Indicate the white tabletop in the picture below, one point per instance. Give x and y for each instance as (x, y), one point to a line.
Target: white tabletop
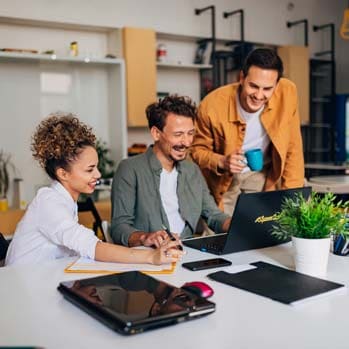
(335, 179)
(325, 166)
(33, 312)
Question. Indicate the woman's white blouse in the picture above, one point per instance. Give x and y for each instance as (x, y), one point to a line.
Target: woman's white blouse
(50, 230)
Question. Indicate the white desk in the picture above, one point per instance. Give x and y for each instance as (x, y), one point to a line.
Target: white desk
(338, 184)
(334, 180)
(33, 312)
(325, 166)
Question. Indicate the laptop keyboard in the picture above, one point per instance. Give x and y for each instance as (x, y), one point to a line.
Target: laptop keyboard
(216, 243)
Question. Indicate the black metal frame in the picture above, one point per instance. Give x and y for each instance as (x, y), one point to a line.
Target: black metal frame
(242, 22)
(322, 101)
(89, 206)
(4, 244)
(330, 52)
(213, 40)
(223, 57)
(222, 61)
(306, 28)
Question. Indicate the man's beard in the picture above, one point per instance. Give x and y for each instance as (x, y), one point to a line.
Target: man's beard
(179, 148)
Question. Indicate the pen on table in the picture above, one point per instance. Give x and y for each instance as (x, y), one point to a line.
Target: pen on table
(338, 244)
(345, 248)
(172, 238)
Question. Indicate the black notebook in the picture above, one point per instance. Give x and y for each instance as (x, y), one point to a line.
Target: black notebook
(280, 284)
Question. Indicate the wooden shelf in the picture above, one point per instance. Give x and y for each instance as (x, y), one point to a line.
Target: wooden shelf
(183, 65)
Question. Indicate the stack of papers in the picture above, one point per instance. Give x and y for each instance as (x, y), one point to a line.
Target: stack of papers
(86, 265)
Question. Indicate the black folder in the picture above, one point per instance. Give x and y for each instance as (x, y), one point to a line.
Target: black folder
(280, 284)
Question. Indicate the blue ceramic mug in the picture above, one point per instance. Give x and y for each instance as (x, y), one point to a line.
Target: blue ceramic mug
(254, 159)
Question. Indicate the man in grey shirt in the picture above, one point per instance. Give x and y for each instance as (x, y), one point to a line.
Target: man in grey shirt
(160, 189)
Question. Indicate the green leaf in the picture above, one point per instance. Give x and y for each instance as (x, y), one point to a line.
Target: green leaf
(318, 217)
(105, 163)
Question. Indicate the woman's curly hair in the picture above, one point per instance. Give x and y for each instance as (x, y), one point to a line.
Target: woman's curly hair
(58, 140)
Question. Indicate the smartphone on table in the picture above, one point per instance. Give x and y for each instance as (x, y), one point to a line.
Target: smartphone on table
(206, 264)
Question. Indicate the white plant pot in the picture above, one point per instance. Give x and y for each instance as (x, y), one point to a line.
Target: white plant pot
(311, 255)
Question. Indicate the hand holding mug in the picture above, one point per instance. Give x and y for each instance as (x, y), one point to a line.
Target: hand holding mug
(254, 158)
(234, 162)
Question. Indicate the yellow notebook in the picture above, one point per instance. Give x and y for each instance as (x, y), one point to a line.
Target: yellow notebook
(86, 265)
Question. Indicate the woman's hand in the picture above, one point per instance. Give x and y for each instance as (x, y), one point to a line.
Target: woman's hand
(168, 252)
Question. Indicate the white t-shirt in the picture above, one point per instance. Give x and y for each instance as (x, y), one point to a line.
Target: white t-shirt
(255, 134)
(50, 230)
(169, 199)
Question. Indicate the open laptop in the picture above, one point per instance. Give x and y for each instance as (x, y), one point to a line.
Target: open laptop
(134, 302)
(251, 223)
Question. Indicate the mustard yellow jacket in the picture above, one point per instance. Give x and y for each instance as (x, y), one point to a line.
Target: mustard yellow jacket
(221, 130)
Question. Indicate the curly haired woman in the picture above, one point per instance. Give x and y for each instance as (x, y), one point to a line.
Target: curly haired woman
(65, 149)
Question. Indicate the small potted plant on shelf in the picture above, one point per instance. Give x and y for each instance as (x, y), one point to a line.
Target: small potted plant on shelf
(4, 179)
(311, 223)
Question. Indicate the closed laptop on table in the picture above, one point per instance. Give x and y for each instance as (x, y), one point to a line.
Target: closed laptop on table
(251, 223)
(134, 302)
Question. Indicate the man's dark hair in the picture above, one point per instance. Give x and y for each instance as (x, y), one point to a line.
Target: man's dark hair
(157, 112)
(263, 58)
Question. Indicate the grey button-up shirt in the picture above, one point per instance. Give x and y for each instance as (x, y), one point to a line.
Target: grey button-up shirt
(136, 201)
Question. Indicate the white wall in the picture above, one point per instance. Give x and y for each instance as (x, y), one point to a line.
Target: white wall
(265, 21)
(32, 89)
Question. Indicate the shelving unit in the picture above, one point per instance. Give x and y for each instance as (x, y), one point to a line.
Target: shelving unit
(321, 88)
(321, 134)
(178, 74)
(181, 50)
(35, 85)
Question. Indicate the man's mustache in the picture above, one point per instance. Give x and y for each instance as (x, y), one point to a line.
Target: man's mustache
(180, 147)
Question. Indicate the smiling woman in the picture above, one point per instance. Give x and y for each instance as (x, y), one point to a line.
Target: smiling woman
(65, 148)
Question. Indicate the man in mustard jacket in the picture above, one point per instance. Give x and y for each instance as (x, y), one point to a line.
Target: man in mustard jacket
(260, 111)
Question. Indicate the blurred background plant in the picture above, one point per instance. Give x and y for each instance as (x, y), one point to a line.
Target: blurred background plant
(105, 163)
(5, 163)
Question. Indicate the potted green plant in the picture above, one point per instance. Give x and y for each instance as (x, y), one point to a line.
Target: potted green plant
(311, 223)
(5, 162)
